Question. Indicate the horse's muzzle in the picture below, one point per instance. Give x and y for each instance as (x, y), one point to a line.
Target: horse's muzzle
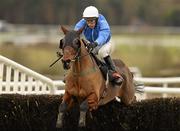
(66, 64)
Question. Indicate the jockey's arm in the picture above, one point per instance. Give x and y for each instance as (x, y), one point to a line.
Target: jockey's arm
(104, 33)
(80, 24)
(103, 36)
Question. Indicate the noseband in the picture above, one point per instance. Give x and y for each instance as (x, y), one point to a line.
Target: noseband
(66, 63)
(77, 56)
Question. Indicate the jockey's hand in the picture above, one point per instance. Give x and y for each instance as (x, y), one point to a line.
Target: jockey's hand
(96, 50)
(91, 46)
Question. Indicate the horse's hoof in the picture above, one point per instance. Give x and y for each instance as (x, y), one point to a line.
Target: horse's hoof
(59, 120)
(90, 115)
(63, 107)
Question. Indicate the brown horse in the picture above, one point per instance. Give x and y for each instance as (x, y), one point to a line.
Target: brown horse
(84, 81)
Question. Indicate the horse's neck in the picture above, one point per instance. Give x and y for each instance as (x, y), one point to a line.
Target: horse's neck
(88, 74)
(85, 62)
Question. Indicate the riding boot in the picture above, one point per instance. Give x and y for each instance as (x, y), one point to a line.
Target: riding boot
(111, 66)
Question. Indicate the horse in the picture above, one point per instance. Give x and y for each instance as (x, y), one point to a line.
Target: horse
(84, 82)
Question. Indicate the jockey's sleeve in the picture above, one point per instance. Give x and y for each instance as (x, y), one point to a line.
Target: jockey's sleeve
(104, 33)
(80, 24)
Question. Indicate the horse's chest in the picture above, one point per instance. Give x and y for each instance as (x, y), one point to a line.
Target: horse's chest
(77, 89)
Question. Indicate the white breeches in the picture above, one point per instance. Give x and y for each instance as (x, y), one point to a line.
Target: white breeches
(105, 50)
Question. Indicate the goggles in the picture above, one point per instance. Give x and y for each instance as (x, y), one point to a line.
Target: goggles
(90, 20)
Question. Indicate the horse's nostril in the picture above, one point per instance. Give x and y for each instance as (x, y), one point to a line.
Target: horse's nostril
(68, 61)
(66, 64)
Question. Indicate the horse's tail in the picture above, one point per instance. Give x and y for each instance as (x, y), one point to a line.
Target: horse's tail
(139, 87)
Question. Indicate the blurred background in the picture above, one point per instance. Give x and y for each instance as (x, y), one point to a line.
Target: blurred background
(145, 34)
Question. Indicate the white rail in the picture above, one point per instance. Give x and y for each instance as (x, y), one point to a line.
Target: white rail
(167, 80)
(150, 89)
(15, 78)
(164, 89)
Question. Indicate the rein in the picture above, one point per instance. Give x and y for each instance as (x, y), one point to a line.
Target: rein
(77, 57)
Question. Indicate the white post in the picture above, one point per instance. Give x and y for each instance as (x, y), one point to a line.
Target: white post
(8, 78)
(1, 75)
(23, 80)
(30, 80)
(16, 79)
(52, 89)
(37, 86)
(43, 89)
(165, 85)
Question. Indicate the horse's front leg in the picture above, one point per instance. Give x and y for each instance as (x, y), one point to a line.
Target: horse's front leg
(91, 103)
(83, 109)
(66, 104)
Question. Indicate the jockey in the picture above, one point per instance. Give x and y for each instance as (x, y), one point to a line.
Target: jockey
(97, 32)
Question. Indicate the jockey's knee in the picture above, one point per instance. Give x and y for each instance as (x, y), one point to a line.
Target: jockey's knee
(103, 53)
(105, 50)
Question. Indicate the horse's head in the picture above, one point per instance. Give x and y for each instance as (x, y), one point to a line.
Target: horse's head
(70, 46)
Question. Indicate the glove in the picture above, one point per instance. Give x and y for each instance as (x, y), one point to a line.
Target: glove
(91, 46)
(96, 50)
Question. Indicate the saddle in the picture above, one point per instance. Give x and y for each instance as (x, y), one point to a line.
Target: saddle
(103, 68)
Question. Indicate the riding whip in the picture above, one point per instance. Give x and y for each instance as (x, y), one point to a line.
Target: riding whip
(59, 57)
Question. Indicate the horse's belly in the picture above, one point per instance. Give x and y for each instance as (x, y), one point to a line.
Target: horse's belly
(77, 92)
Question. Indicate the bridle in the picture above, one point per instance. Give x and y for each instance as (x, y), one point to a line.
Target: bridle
(76, 57)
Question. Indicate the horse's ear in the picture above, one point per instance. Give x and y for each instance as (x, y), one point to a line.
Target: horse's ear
(64, 29)
(81, 30)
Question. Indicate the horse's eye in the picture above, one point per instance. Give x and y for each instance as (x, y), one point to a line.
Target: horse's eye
(76, 43)
(61, 44)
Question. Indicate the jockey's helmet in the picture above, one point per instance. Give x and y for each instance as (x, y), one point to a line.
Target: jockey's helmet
(90, 11)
